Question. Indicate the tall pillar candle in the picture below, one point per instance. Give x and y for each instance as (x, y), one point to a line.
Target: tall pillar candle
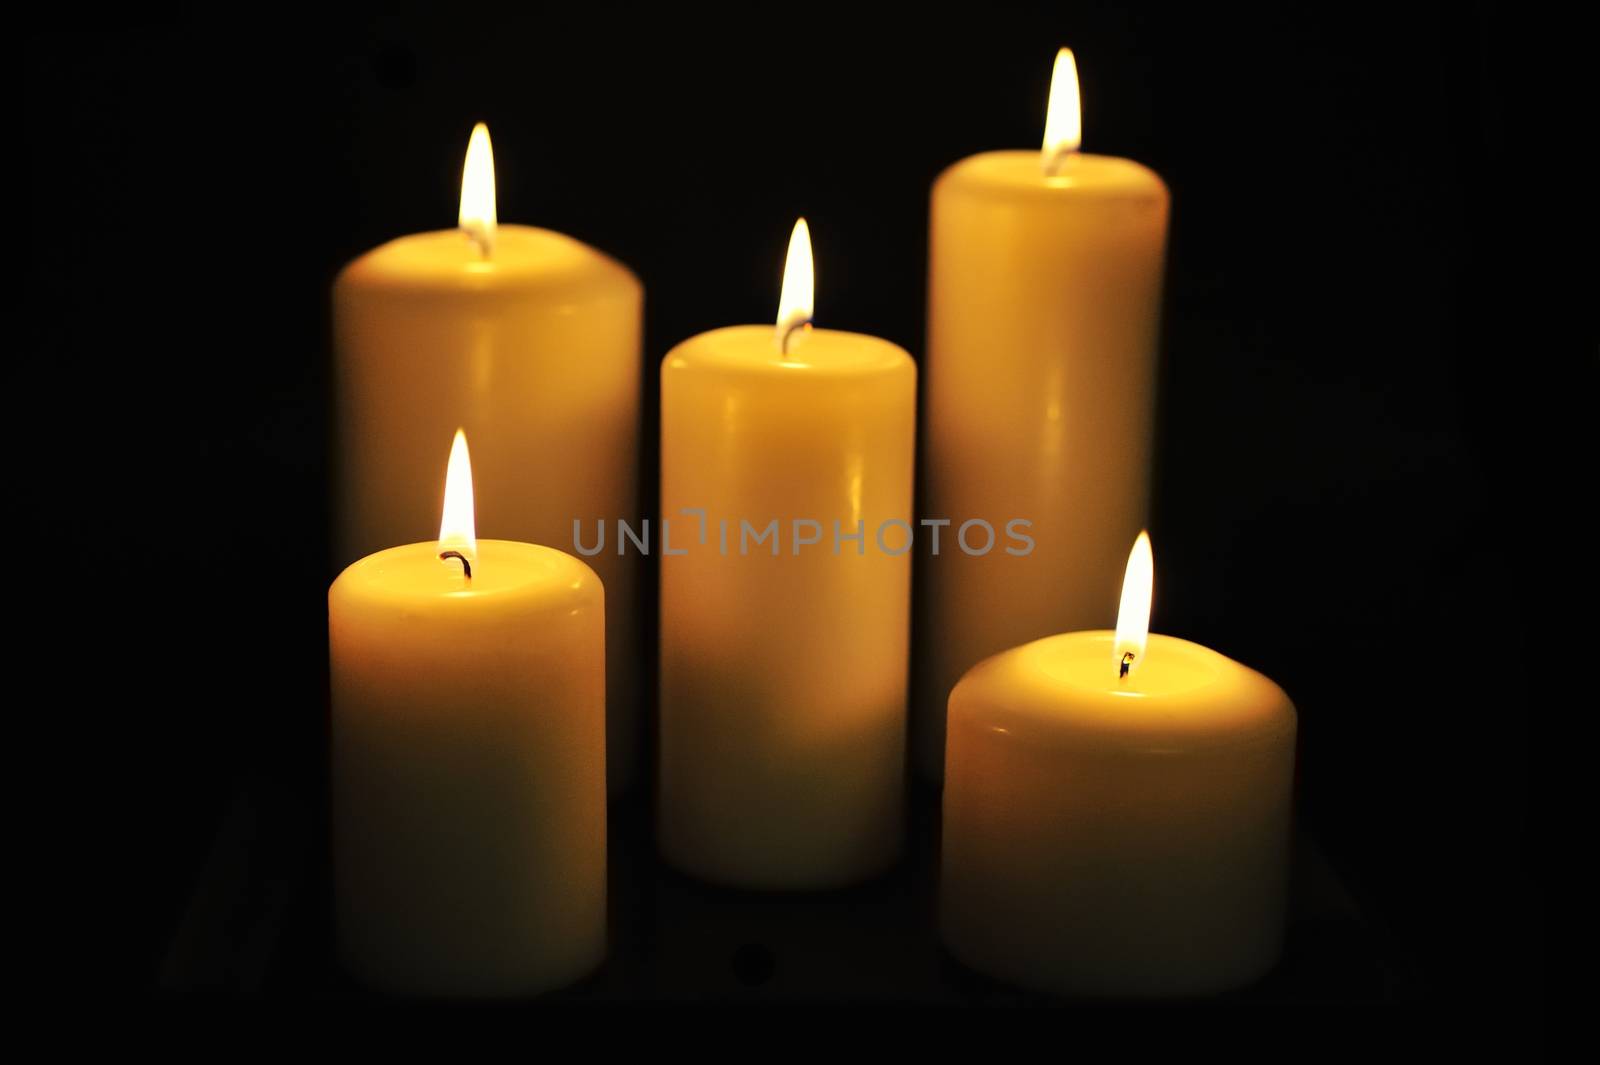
(529, 339)
(786, 481)
(1117, 813)
(469, 795)
(1044, 292)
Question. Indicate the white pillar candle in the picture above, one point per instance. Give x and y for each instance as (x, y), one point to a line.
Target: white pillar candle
(1110, 835)
(783, 659)
(469, 796)
(1044, 293)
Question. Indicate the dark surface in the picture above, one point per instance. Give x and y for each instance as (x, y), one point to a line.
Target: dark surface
(1353, 462)
(259, 924)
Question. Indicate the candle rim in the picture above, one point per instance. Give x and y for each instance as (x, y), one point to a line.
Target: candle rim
(526, 257)
(504, 569)
(1015, 171)
(749, 349)
(1011, 692)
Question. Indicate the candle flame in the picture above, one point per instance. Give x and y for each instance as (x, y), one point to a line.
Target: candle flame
(799, 285)
(477, 217)
(1063, 123)
(458, 525)
(1133, 616)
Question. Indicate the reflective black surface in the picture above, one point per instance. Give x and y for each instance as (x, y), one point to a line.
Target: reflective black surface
(258, 924)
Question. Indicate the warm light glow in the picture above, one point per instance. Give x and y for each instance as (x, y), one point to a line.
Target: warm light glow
(477, 217)
(1063, 122)
(1133, 616)
(458, 528)
(799, 283)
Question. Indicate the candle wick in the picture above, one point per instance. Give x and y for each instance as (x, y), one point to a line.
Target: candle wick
(466, 567)
(1125, 665)
(480, 239)
(1056, 161)
(783, 342)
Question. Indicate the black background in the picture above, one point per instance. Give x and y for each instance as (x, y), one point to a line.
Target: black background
(1339, 497)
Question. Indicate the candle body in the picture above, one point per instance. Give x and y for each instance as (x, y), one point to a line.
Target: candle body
(1109, 838)
(536, 354)
(469, 795)
(1043, 306)
(783, 664)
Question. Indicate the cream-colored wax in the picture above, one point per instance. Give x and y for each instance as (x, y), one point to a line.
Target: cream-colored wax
(783, 677)
(1110, 837)
(535, 350)
(469, 793)
(1044, 294)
